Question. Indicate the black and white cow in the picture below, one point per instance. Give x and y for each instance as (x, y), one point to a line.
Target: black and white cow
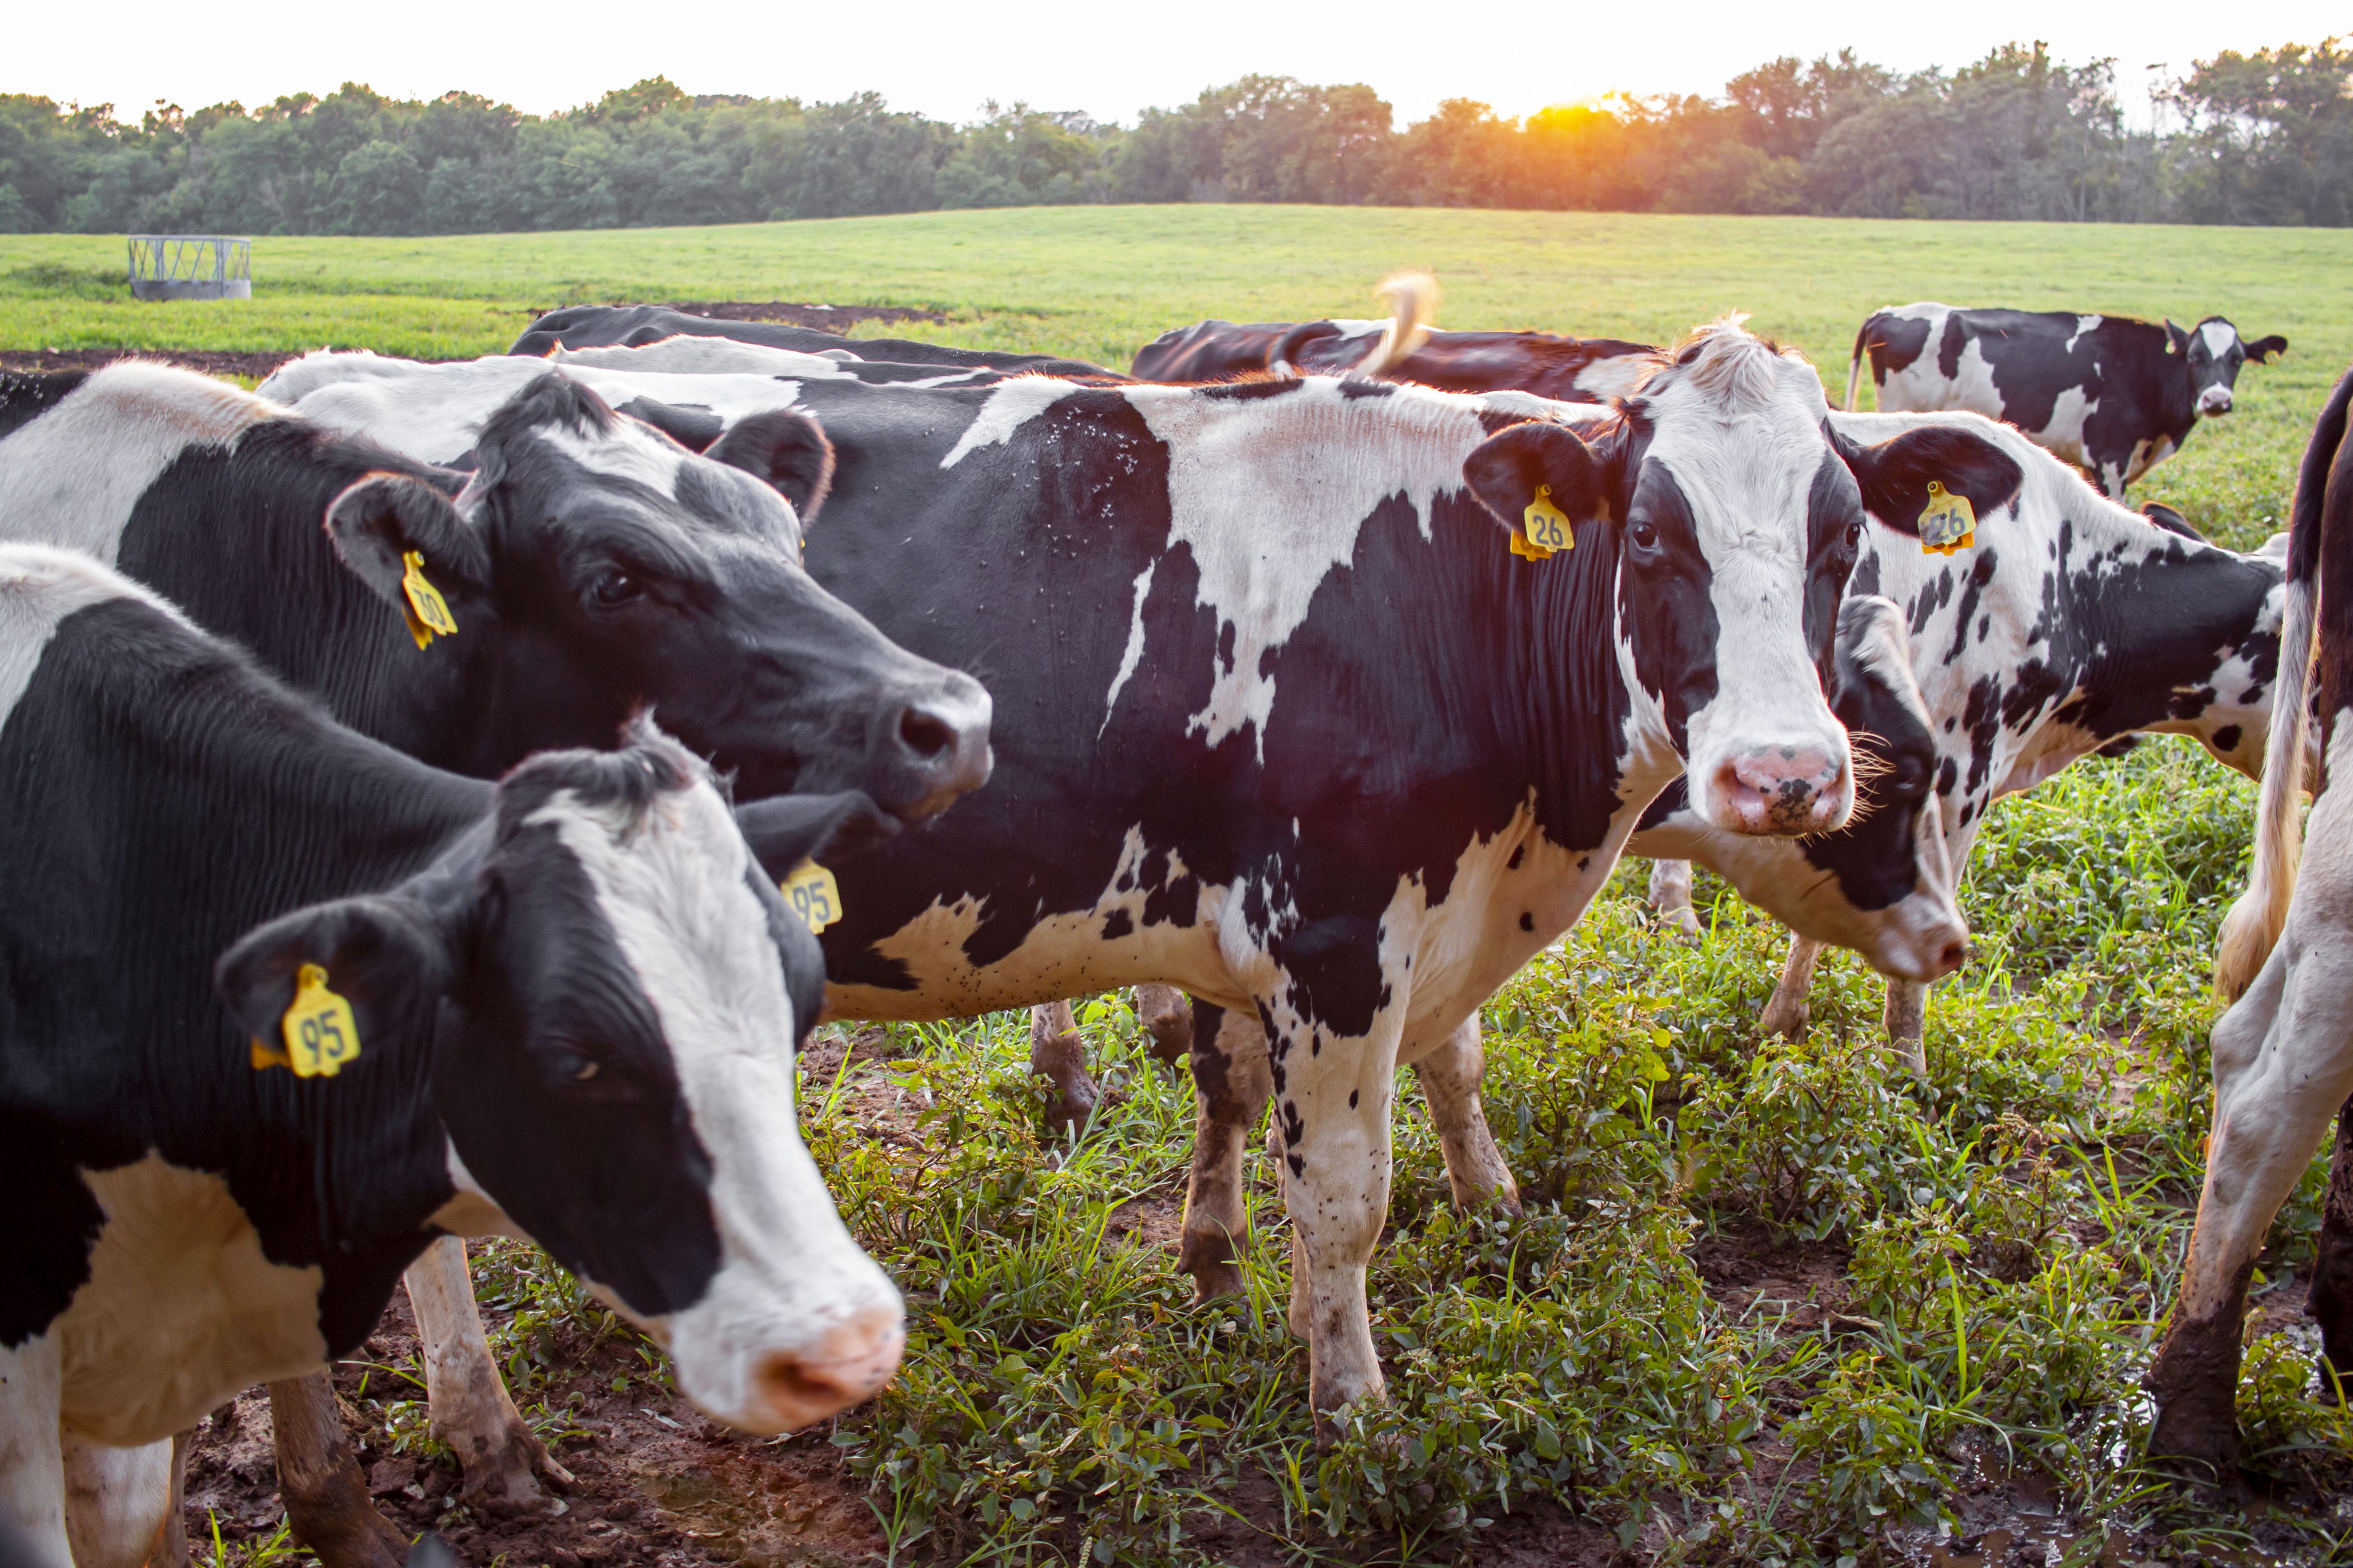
(2087, 623)
(591, 565)
(2284, 1053)
(563, 1006)
(631, 326)
(2111, 395)
(1567, 370)
(1346, 761)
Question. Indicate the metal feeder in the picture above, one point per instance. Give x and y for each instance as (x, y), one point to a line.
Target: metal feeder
(191, 267)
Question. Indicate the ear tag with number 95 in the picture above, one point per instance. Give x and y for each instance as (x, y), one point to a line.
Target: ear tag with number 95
(426, 612)
(319, 1028)
(1949, 525)
(1545, 529)
(814, 896)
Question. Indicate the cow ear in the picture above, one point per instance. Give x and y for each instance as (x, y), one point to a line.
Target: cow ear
(2176, 339)
(1893, 474)
(692, 428)
(2172, 521)
(785, 447)
(2262, 351)
(383, 955)
(383, 518)
(1505, 470)
(787, 829)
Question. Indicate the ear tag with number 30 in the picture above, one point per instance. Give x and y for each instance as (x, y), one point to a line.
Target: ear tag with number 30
(1949, 525)
(1545, 529)
(814, 896)
(426, 612)
(319, 1028)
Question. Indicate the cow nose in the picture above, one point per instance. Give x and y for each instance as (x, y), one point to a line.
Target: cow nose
(1949, 958)
(2214, 400)
(846, 1365)
(938, 748)
(1787, 790)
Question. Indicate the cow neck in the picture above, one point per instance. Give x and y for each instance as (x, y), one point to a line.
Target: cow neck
(246, 804)
(251, 561)
(1573, 705)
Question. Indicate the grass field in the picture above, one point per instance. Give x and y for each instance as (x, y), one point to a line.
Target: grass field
(1770, 1304)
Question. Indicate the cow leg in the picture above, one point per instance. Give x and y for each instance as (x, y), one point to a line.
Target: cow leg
(2329, 1303)
(1450, 1078)
(1332, 1116)
(1167, 1013)
(172, 1551)
(2282, 1064)
(1230, 1084)
(1791, 1006)
(501, 1456)
(1059, 1051)
(118, 1500)
(32, 1460)
(319, 1480)
(1905, 1015)
(1671, 901)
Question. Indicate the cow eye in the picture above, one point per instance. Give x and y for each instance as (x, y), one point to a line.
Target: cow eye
(1854, 535)
(614, 586)
(1644, 536)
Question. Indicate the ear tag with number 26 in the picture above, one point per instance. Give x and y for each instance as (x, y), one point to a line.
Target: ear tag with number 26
(814, 896)
(319, 1028)
(426, 612)
(1949, 525)
(1547, 529)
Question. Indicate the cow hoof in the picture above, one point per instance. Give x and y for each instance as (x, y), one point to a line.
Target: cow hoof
(1073, 1108)
(1683, 925)
(1212, 1280)
(1790, 1023)
(506, 1484)
(2195, 1439)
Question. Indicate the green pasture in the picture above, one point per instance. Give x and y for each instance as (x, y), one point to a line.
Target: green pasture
(1966, 1277)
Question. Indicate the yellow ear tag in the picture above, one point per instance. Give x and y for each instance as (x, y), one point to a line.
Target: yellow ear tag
(318, 1029)
(1949, 525)
(1546, 528)
(814, 896)
(426, 612)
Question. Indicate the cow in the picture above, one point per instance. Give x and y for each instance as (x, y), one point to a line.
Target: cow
(283, 1004)
(1348, 758)
(2284, 1053)
(2111, 395)
(629, 326)
(1402, 347)
(590, 566)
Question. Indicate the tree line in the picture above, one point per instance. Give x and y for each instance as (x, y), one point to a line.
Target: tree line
(2259, 138)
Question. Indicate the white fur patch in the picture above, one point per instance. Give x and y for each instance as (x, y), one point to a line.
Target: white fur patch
(1269, 492)
(72, 475)
(39, 587)
(2218, 336)
(1010, 405)
(2084, 324)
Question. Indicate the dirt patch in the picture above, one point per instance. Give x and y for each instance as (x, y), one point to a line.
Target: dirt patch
(1750, 1272)
(211, 361)
(654, 1482)
(824, 318)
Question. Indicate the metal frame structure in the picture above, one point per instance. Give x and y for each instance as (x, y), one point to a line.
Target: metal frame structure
(191, 267)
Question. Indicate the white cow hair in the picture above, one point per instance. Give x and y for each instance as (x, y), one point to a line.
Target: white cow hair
(72, 475)
(673, 885)
(40, 585)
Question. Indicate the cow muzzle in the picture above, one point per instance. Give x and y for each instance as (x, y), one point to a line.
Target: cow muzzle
(846, 1365)
(2214, 400)
(1787, 790)
(934, 749)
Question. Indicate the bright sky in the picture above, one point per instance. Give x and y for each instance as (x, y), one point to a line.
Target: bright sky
(1105, 56)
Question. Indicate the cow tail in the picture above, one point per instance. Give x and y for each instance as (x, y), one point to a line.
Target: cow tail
(1412, 299)
(1854, 362)
(2252, 927)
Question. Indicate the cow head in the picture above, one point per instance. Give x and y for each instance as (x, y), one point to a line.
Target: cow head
(605, 993)
(2213, 353)
(1736, 518)
(594, 566)
(1884, 884)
